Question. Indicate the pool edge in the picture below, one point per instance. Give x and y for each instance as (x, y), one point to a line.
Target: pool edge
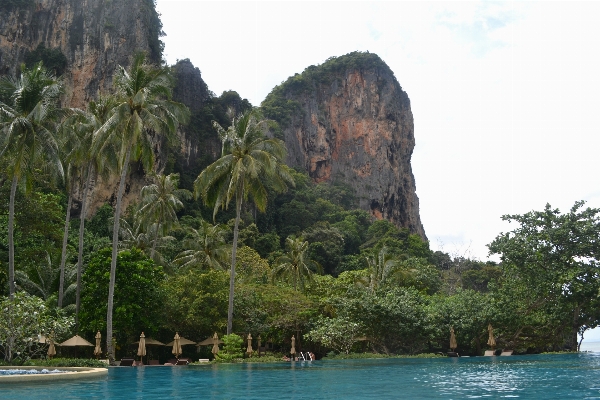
(72, 374)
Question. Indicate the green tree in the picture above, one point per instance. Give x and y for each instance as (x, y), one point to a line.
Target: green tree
(205, 246)
(295, 266)
(143, 107)
(249, 162)
(381, 266)
(338, 333)
(232, 348)
(91, 162)
(28, 116)
(138, 295)
(22, 319)
(160, 202)
(558, 257)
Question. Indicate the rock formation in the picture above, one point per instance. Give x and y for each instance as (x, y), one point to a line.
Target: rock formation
(92, 37)
(349, 121)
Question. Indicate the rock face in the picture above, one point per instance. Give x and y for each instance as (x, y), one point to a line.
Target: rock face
(349, 121)
(94, 35)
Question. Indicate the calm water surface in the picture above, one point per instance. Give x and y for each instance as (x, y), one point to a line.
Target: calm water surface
(525, 377)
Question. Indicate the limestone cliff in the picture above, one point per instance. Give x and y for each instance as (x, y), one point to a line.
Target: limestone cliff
(94, 35)
(91, 38)
(348, 120)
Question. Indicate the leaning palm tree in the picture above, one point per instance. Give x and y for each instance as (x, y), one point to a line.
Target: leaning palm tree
(29, 113)
(295, 265)
(143, 107)
(206, 246)
(249, 162)
(160, 202)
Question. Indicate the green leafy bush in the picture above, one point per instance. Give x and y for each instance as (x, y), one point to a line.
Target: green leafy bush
(232, 349)
(67, 362)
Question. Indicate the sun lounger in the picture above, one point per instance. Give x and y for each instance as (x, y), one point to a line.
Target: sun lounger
(153, 362)
(127, 362)
(183, 361)
(506, 353)
(490, 353)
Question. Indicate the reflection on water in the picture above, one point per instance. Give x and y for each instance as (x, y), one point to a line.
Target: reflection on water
(523, 377)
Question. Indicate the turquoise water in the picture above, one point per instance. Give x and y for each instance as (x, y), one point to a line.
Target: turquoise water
(525, 377)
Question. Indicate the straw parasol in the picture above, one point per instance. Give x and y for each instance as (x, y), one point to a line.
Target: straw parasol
(491, 341)
(176, 345)
(76, 341)
(98, 348)
(453, 344)
(215, 348)
(249, 348)
(51, 349)
(142, 346)
(293, 350)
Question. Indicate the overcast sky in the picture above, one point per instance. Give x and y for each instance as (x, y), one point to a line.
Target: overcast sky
(505, 96)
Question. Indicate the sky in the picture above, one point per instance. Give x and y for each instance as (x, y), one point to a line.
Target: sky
(505, 95)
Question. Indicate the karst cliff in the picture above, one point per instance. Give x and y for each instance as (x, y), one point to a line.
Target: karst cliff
(348, 120)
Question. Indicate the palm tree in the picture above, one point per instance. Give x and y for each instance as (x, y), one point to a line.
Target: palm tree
(206, 246)
(248, 162)
(295, 265)
(28, 115)
(381, 266)
(83, 163)
(143, 107)
(160, 203)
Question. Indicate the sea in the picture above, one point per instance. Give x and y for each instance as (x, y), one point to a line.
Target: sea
(593, 346)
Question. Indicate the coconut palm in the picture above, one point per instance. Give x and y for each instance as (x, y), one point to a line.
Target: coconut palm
(160, 203)
(295, 266)
(143, 111)
(381, 266)
(29, 113)
(206, 246)
(83, 163)
(249, 162)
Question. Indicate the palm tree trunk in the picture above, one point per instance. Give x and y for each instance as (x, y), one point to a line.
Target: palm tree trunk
(154, 243)
(63, 257)
(238, 210)
(90, 170)
(113, 264)
(11, 241)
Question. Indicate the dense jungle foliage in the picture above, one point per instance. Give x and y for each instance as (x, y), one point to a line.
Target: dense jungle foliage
(312, 265)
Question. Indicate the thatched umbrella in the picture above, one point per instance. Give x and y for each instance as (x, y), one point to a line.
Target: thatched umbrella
(215, 348)
(491, 341)
(98, 348)
(76, 341)
(142, 346)
(51, 349)
(293, 350)
(176, 345)
(453, 344)
(249, 348)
